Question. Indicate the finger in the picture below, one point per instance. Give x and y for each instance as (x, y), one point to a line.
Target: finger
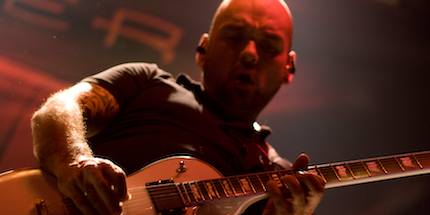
(107, 188)
(71, 187)
(280, 205)
(99, 192)
(117, 178)
(312, 182)
(81, 202)
(94, 196)
(315, 190)
(298, 200)
(301, 162)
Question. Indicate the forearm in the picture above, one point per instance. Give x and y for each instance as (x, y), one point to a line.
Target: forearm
(58, 130)
(59, 142)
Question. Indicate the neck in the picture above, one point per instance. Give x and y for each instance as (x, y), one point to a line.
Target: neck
(231, 114)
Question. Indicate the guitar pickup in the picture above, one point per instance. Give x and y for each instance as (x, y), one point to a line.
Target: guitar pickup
(166, 197)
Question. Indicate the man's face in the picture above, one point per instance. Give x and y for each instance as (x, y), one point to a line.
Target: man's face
(247, 52)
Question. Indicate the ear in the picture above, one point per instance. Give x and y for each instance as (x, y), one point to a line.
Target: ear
(290, 68)
(201, 50)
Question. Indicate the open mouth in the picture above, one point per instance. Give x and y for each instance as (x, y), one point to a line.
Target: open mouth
(243, 78)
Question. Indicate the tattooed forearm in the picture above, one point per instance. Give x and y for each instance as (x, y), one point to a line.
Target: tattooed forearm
(100, 107)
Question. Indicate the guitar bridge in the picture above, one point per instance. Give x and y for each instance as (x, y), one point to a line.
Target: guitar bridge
(69, 207)
(41, 207)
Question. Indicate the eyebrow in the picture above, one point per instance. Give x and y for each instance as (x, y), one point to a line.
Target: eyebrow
(267, 32)
(232, 26)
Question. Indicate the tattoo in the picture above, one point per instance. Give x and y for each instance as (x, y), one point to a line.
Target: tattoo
(98, 104)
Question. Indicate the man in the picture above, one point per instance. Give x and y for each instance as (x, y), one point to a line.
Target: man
(136, 113)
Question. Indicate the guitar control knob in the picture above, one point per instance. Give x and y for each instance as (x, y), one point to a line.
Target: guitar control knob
(182, 168)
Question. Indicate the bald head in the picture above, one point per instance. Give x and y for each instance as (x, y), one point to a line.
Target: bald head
(246, 57)
(275, 12)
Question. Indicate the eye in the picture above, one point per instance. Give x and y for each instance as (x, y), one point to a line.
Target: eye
(234, 38)
(270, 48)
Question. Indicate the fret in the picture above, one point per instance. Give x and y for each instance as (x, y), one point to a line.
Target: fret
(367, 169)
(221, 183)
(241, 185)
(232, 187)
(342, 172)
(328, 173)
(373, 167)
(250, 183)
(335, 173)
(314, 171)
(209, 190)
(289, 172)
(416, 160)
(203, 190)
(196, 192)
(184, 191)
(424, 159)
(400, 164)
(200, 191)
(358, 170)
(382, 166)
(264, 178)
(317, 171)
(219, 189)
(258, 186)
(277, 178)
(212, 190)
(226, 187)
(391, 165)
(245, 185)
(350, 171)
(409, 163)
(189, 191)
(235, 183)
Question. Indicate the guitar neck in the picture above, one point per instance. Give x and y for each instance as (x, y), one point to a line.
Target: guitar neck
(373, 169)
(335, 175)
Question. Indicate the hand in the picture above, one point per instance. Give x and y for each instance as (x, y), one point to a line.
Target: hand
(95, 185)
(306, 191)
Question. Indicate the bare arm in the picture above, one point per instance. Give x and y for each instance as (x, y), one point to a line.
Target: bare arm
(59, 142)
(59, 126)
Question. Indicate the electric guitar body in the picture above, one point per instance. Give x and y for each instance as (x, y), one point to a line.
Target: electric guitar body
(35, 192)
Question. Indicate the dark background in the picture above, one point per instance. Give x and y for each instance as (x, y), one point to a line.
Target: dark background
(361, 88)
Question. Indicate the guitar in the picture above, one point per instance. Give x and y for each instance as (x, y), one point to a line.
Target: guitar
(195, 187)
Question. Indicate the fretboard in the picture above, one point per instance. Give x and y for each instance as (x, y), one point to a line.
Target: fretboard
(373, 169)
(335, 175)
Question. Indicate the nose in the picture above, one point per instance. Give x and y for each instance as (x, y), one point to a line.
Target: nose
(249, 55)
